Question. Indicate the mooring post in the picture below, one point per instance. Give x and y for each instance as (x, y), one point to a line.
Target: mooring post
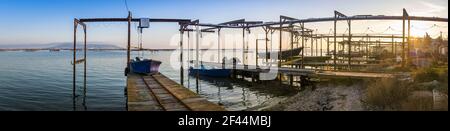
(85, 60)
(129, 42)
(182, 27)
(253, 78)
(291, 80)
(75, 24)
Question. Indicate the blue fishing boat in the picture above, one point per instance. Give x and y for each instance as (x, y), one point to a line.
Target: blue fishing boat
(210, 72)
(144, 66)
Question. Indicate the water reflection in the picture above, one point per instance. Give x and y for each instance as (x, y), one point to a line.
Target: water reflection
(76, 97)
(236, 94)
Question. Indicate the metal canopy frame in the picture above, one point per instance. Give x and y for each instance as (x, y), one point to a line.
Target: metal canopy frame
(331, 19)
(247, 25)
(83, 22)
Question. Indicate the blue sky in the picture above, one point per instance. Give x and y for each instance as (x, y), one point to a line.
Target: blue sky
(48, 21)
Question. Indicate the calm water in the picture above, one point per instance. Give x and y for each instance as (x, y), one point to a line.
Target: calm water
(43, 81)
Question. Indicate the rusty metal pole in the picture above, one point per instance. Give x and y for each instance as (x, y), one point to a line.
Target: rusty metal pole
(312, 45)
(189, 58)
(181, 54)
(292, 43)
(85, 60)
(218, 45)
(334, 36)
(349, 44)
(328, 45)
(129, 42)
(367, 48)
(74, 57)
(85, 68)
(280, 45)
(257, 53)
(321, 42)
(408, 41)
(343, 50)
(197, 46)
(267, 43)
(279, 52)
(317, 47)
(303, 45)
(189, 50)
(393, 46)
(403, 40)
(243, 49)
(291, 77)
(328, 51)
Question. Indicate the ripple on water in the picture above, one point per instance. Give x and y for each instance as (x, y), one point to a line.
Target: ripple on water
(43, 81)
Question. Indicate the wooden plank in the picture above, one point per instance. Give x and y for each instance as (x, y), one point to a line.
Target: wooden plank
(138, 98)
(159, 93)
(355, 74)
(185, 94)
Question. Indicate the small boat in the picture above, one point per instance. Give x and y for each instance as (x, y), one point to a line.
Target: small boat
(54, 50)
(144, 66)
(210, 72)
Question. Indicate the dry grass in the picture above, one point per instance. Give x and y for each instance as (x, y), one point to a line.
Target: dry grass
(386, 94)
(395, 95)
(430, 74)
(418, 101)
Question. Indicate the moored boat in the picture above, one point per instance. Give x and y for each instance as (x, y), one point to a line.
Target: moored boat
(144, 66)
(210, 72)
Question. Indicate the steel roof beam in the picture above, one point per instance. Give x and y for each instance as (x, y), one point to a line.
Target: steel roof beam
(133, 20)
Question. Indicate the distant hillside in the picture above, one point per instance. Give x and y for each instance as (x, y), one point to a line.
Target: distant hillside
(89, 45)
(60, 46)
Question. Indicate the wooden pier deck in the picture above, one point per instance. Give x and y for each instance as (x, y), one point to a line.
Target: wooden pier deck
(252, 71)
(159, 93)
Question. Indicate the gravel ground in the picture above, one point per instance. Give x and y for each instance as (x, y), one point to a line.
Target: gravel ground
(324, 98)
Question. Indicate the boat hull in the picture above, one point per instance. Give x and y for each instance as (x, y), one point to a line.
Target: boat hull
(210, 72)
(145, 66)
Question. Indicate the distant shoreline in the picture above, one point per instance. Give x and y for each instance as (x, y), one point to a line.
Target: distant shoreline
(33, 49)
(52, 49)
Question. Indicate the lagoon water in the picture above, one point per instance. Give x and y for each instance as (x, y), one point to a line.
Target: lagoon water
(42, 81)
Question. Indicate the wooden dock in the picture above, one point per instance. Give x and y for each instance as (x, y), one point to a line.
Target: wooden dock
(159, 93)
(252, 71)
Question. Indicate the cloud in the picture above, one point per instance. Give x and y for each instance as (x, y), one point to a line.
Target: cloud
(431, 9)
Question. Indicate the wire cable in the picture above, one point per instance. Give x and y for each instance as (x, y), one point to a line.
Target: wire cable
(126, 5)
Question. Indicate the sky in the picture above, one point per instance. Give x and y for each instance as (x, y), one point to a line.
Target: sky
(51, 21)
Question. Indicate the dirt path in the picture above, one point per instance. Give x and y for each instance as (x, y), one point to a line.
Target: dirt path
(323, 98)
